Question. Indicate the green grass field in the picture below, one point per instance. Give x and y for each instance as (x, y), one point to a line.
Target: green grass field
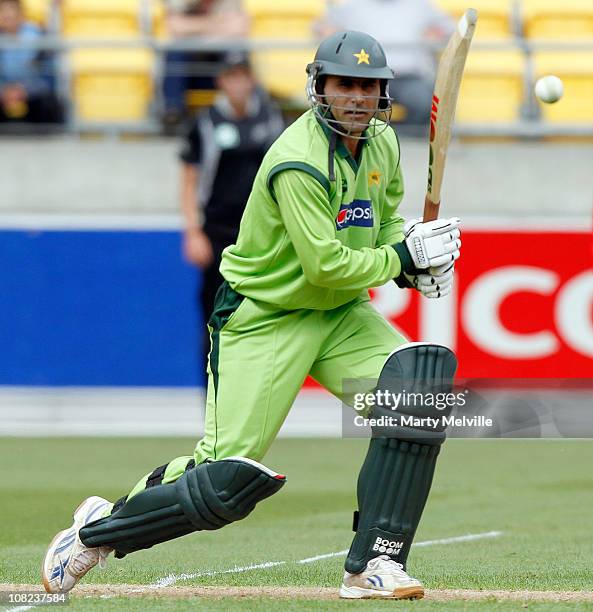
(539, 494)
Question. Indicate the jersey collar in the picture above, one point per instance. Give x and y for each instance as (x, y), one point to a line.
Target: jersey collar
(342, 149)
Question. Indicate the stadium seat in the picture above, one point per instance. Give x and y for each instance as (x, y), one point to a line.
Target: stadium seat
(575, 68)
(38, 11)
(111, 85)
(282, 71)
(102, 18)
(551, 19)
(492, 87)
(196, 99)
(156, 16)
(494, 16)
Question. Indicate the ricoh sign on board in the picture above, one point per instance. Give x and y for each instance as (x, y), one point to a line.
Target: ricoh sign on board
(92, 307)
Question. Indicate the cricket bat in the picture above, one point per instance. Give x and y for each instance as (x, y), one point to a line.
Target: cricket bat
(444, 101)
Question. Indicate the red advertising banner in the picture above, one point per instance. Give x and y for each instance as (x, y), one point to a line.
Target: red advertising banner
(522, 306)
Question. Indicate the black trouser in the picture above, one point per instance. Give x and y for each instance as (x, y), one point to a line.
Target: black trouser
(211, 281)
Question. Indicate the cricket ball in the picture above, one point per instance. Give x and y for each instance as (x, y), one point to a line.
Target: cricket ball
(549, 89)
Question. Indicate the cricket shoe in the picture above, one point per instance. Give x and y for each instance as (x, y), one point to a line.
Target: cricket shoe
(382, 577)
(67, 559)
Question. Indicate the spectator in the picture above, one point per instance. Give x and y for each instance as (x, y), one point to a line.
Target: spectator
(25, 81)
(393, 23)
(193, 19)
(220, 159)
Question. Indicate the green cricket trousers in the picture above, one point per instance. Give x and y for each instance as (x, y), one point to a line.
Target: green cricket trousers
(260, 355)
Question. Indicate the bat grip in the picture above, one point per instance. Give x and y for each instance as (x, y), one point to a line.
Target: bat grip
(431, 210)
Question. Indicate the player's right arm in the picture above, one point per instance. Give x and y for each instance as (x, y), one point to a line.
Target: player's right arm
(326, 262)
(310, 224)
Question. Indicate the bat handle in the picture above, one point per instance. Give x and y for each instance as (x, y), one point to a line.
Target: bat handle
(431, 210)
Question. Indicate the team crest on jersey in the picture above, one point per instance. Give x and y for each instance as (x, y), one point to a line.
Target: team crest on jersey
(374, 177)
(359, 213)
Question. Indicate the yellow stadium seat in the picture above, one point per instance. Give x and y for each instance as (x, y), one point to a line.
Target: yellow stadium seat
(575, 68)
(492, 87)
(112, 85)
(283, 20)
(158, 27)
(101, 18)
(38, 11)
(196, 99)
(282, 71)
(494, 16)
(558, 19)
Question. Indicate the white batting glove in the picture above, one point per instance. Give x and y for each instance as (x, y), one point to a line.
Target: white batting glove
(436, 282)
(429, 245)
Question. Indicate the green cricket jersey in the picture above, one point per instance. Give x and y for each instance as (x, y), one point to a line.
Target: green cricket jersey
(308, 242)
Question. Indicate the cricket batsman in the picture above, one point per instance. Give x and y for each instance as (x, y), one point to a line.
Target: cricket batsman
(320, 228)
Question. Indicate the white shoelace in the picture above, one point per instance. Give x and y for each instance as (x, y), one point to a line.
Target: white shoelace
(383, 562)
(86, 559)
(83, 561)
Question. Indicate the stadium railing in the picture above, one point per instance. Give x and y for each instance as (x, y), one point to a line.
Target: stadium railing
(112, 84)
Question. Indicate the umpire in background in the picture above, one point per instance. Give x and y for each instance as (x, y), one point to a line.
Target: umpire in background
(221, 155)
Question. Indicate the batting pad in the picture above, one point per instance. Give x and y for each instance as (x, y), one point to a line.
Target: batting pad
(397, 473)
(206, 497)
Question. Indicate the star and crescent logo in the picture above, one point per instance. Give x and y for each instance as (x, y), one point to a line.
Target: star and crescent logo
(363, 57)
(374, 177)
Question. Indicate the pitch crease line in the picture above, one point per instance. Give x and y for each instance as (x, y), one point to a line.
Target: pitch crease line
(172, 579)
(464, 538)
(326, 556)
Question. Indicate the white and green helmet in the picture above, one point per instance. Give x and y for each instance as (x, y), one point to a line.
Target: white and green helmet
(351, 54)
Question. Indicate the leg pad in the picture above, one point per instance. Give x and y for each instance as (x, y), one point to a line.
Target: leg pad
(397, 473)
(392, 487)
(206, 497)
